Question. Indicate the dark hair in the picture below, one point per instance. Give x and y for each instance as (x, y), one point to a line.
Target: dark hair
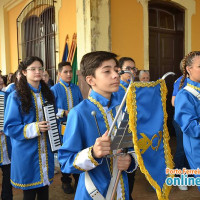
(91, 61)
(19, 70)
(13, 77)
(62, 64)
(4, 80)
(23, 89)
(124, 59)
(187, 61)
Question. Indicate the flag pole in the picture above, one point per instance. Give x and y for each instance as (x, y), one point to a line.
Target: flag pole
(71, 52)
(66, 43)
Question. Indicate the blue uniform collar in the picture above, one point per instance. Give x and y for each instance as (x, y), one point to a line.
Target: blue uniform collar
(196, 84)
(66, 84)
(34, 89)
(124, 83)
(104, 101)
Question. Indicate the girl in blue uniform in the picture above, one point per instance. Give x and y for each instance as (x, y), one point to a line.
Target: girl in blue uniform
(126, 64)
(187, 108)
(32, 167)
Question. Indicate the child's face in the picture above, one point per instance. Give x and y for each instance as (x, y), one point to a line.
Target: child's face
(45, 77)
(106, 78)
(66, 74)
(34, 72)
(128, 65)
(194, 69)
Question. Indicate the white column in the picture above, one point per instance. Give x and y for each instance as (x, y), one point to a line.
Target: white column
(93, 26)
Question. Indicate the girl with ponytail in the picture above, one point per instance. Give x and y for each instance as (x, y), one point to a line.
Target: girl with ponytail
(187, 108)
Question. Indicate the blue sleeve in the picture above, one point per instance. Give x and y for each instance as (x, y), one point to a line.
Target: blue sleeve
(58, 97)
(187, 113)
(75, 156)
(72, 143)
(13, 122)
(80, 96)
(11, 88)
(54, 93)
(176, 87)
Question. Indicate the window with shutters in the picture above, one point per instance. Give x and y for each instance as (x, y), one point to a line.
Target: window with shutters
(36, 31)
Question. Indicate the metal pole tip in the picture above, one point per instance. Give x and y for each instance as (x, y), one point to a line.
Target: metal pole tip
(93, 113)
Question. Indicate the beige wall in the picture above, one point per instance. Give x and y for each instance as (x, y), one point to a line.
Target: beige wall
(127, 37)
(12, 28)
(67, 23)
(196, 28)
(127, 30)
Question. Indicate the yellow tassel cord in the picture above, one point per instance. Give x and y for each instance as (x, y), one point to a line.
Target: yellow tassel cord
(67, 95)
(100, 107)
(132, 110)
(123, 87)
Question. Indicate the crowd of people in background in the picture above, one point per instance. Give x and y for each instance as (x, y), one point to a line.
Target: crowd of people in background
(30, 86)
(7, 82)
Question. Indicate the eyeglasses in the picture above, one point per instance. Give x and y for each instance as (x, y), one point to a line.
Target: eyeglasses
(33, 69)
(131, 68)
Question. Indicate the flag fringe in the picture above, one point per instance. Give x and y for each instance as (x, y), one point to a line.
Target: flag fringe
(163, 193)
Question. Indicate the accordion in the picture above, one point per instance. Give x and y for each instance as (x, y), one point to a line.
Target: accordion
(3, 97)
(53, 133)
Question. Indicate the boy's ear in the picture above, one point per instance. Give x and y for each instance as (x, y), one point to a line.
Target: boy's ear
(90, 80)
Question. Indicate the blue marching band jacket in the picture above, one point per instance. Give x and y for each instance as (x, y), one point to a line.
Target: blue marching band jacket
(32, 162)
(75, 155)
(5, 145)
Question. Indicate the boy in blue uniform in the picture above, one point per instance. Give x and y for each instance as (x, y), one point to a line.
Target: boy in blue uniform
(83, 150)
(67, 95)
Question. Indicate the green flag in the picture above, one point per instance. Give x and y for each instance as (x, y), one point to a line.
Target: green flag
(74, 68)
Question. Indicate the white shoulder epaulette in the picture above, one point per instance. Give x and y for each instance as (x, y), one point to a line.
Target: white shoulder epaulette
(192, 91)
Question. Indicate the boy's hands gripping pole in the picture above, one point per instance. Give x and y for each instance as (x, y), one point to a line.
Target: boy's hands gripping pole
(101, 147)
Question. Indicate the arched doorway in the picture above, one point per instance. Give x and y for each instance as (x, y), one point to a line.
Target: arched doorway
(36, 30)
(166, 45)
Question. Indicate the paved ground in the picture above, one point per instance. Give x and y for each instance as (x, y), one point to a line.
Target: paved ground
(142, 189)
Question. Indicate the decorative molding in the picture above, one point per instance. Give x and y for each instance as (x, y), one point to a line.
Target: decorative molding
(9, 4)
(190, 9)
